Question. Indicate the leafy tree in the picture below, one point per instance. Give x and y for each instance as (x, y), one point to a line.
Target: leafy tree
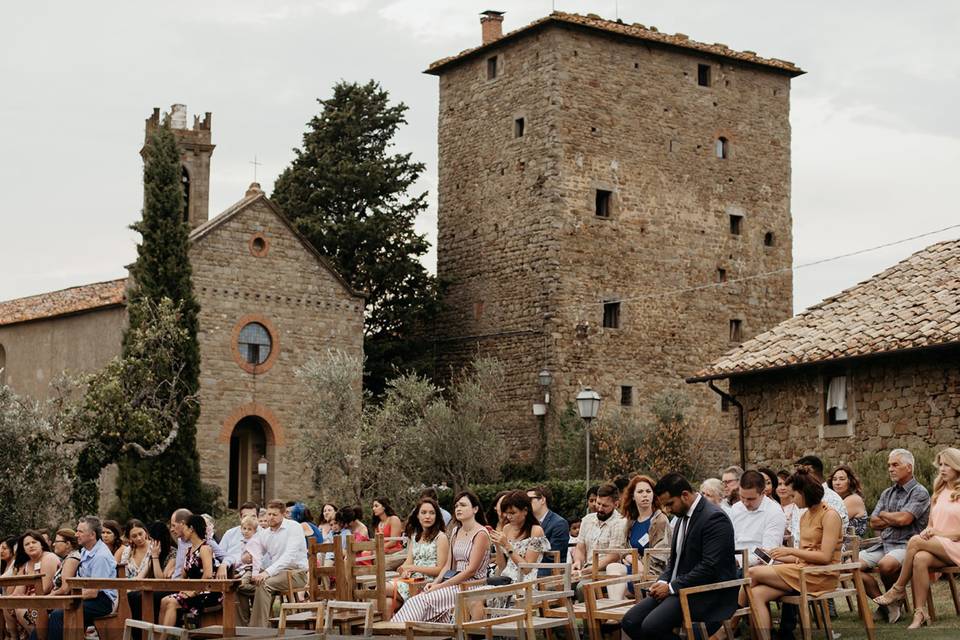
(348, 194)
(37, 469)
(415, 436)
(152, 487)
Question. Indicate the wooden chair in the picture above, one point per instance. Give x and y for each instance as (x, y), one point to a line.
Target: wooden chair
(151, 629)
(950, 575)
(597, 574)
(727, 625)
(804, 600)
(473, 617)
(364, 582)
(599, 610)
(324, 582)
(658, 553)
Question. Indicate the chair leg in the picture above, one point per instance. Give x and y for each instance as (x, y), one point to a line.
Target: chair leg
(827, 623)
(931, 607)
(805, 622)
(952, 581)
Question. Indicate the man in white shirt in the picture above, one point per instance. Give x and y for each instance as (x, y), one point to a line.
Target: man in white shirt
(286, 553)
(757, 520)
(232, 541)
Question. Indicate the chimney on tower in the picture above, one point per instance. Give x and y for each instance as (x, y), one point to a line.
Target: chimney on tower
(491, 26)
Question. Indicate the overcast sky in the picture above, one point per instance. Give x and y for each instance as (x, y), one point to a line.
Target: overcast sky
(876, 135)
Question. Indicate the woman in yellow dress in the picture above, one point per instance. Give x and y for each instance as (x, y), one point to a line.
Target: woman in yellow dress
(821, 537)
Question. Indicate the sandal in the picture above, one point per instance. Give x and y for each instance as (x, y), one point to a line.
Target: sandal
(893, 594)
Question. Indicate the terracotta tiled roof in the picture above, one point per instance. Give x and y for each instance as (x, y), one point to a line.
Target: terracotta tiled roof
(63, 302)
(635, 30)
(913, 304)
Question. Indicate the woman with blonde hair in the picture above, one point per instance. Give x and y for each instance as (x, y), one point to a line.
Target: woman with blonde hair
(936, 546)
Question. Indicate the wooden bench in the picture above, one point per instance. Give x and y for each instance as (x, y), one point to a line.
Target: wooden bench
(72, 606)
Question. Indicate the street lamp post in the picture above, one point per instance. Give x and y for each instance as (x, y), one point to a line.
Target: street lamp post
(588, 405)
(262, 472)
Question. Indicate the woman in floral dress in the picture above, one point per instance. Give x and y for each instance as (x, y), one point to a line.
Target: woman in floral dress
(198, 564)
(427, 555)
(522, 539)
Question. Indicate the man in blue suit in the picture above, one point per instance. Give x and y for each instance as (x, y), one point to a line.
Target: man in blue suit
(555, 528)
(702, 553)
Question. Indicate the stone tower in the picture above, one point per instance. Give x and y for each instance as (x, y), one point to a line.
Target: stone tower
(195, 152)
(604, 189)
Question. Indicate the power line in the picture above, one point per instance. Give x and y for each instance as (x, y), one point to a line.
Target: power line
(766, 274)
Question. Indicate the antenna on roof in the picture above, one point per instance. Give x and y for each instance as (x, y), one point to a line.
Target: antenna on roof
(616, 8)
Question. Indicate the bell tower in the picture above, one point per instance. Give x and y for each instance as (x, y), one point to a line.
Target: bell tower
(195, 151)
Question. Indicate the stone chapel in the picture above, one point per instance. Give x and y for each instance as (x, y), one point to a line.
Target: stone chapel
(268, 304)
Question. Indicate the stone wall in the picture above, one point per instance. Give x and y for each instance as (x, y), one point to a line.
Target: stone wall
(906, 400)
(306, 308)
(39, 351)
(519, 238)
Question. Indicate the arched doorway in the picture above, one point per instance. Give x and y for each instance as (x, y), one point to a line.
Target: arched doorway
(248, 443)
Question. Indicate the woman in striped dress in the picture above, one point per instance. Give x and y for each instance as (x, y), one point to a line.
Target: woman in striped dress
(470, 557)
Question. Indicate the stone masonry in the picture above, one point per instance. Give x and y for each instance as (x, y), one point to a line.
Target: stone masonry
(900, 400)
(530, 261)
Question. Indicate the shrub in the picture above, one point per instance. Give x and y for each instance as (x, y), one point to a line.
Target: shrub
(871, 468)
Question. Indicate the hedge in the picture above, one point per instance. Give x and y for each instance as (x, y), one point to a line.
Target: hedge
(569, 497)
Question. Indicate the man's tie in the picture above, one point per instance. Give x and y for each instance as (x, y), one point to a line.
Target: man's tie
(681, 538)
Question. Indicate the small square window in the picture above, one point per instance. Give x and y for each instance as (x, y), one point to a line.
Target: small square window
(736, 224)
(518, 125)
(603, 202)
(703, 75)
(611, 315)
(721, 275)
(723, 148)
(835, 400)
(626, 396)
(491, 68)
(736, 334)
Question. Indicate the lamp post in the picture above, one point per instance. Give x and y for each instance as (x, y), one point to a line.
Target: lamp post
(262, 472)
(588, 405)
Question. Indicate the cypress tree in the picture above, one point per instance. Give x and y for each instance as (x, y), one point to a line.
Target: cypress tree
(151, 488)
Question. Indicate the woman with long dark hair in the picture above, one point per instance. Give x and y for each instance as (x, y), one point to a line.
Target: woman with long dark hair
(771, 482)
(328, 515)
(135, 556)
(198, 564)
(521, 540)
(389, 524)
(470, 556)
(111, 535)
(163, 553)
(427, 553)
(34, 557)
(494, 517)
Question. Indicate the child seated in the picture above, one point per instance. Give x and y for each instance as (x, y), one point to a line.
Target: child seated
(251, 550)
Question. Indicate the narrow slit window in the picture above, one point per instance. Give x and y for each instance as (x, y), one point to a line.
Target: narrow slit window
(703, 75)
(736, 330)
(491, 68)
(518, 126)
(611, 315)
(768, 239)
(603, 201)
(626, 396)
(721, 275)
(736, 225)
(723, 148)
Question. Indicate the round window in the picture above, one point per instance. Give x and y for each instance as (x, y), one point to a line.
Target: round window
(254, 343)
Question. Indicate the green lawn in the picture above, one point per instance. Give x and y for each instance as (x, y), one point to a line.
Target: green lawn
(947, 626)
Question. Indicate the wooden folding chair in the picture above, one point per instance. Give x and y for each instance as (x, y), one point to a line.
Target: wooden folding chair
(471, 616)
(804, 600)
(950, 574)
(727, 625)
(599, 610)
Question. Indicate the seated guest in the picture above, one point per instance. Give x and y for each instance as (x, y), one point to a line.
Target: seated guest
(554, 527)
(574, 533)
(286, 549)
(936, 546)
(163, 554)
(702, 553)
(299, 512)
(428, 553)
(494, 516)
(198, 564)
(757, 520)
(770, 483)
(135, 556)
(232, 540)
(389, 524)
(603, 529)
(785, 495)
(327, 514)
(645, 524)
(470, 555)
(8, 618)
(65, 545)
(731, 485)
(521, 540)
(712, 490)
(348, 525)
(901, 513)
(821, 538)
(96, 561)
(249, 556)
(112, 536)
(430, 492)
(177, 522)
(34, 557)
(844, 481)
(592, 498)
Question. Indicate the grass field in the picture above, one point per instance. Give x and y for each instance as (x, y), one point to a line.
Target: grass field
(947, 626)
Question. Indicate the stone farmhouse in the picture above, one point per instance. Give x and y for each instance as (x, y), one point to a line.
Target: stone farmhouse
(872, 368)
(602, 188)
(268, 303)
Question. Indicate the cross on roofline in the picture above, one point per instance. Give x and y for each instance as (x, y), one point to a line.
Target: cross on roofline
(255, 165)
